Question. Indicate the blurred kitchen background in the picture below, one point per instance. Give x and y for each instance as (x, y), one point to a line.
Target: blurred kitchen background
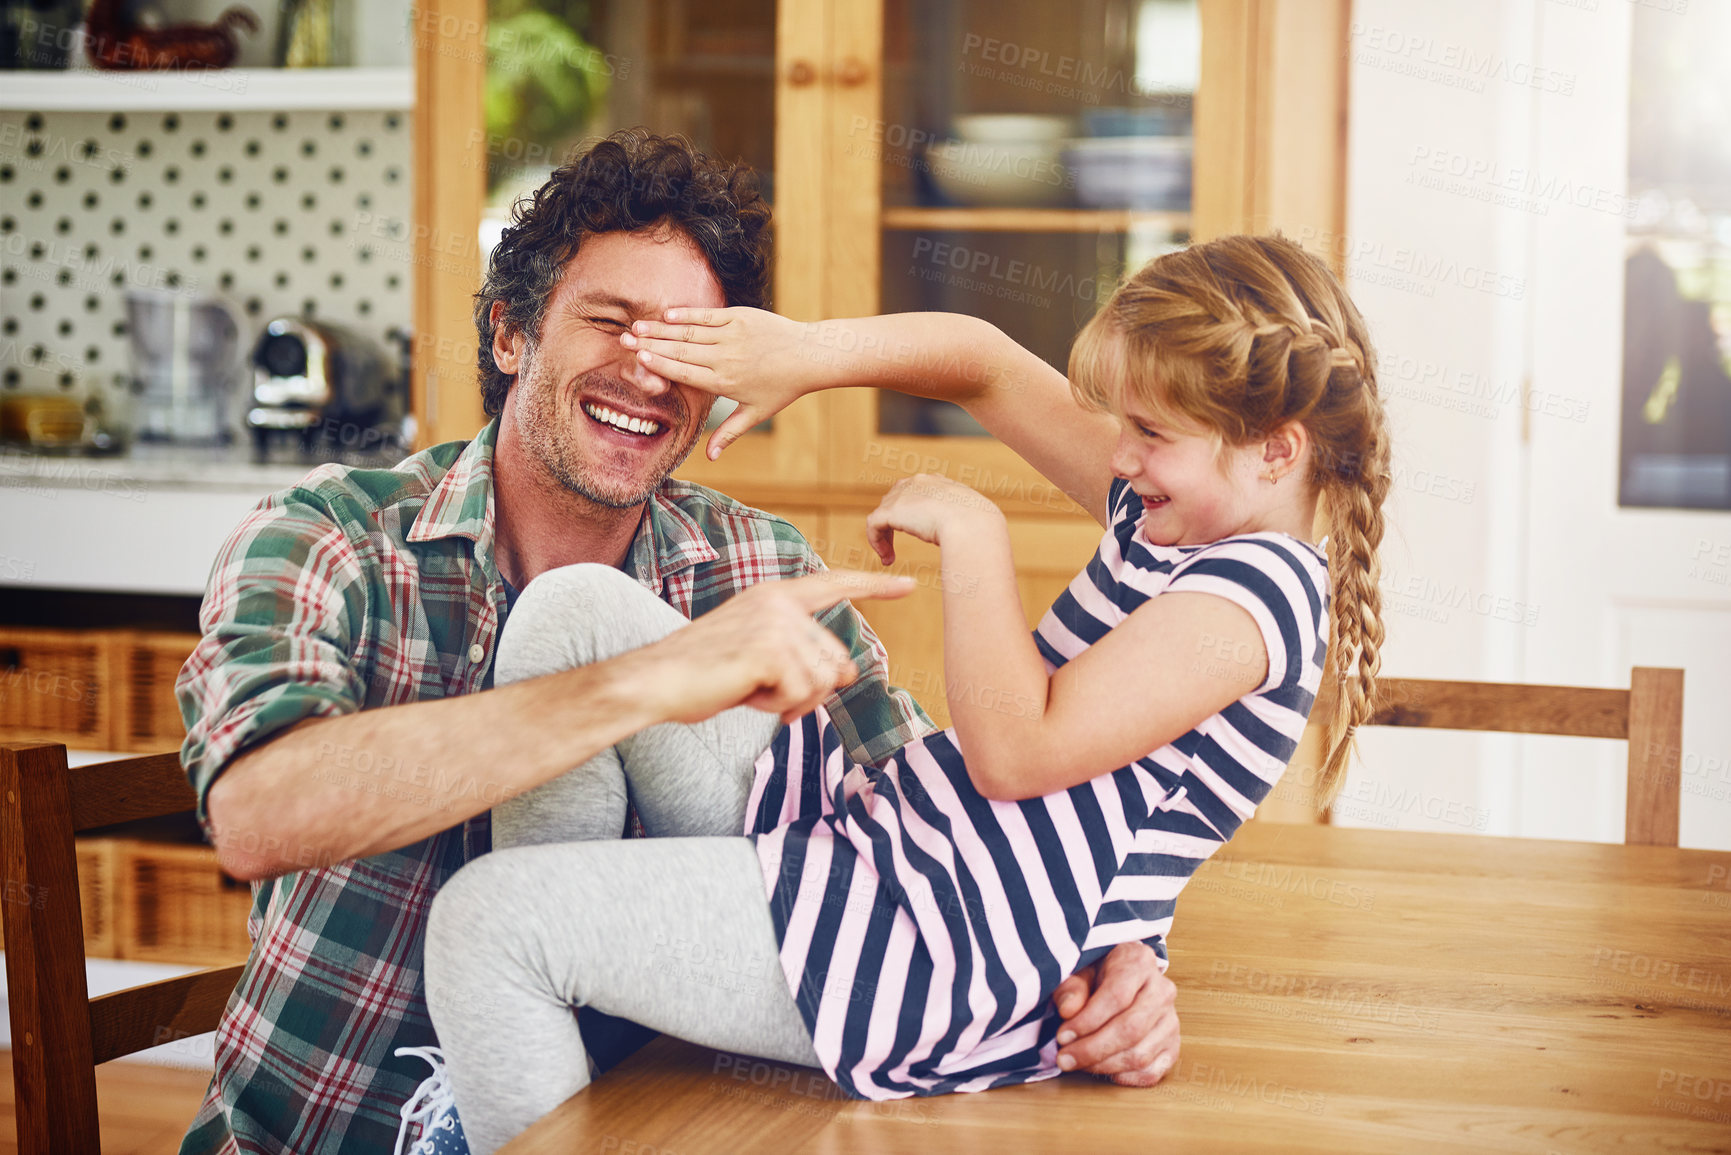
(216, 274)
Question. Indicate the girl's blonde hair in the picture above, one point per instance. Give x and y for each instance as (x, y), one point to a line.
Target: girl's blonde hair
(1239, 336)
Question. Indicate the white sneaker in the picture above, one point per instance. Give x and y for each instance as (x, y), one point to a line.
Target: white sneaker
(432, 1111)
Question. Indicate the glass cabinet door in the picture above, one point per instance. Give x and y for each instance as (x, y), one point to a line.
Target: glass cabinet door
(564, 71)
(1026, 157)
(1045, 149)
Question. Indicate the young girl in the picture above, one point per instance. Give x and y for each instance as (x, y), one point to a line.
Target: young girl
(904, 925)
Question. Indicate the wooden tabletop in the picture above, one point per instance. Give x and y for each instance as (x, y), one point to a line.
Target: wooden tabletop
(1340, 991)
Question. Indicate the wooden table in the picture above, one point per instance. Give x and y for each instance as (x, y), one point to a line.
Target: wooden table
(1340, 990)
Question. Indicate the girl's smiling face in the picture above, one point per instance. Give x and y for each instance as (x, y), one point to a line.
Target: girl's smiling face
(1193, 491)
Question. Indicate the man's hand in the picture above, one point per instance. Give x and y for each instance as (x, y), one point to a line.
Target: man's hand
(1120, 1018)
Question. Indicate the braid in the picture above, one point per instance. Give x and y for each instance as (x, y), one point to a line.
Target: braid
(1240, 336)
(1356, 630)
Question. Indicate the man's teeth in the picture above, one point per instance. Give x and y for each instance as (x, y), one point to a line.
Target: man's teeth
(621, 421)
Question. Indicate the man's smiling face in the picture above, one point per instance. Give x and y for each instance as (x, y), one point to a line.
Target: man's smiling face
(600, 424)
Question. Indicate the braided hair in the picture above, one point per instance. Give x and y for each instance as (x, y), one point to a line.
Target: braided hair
(1241, 335)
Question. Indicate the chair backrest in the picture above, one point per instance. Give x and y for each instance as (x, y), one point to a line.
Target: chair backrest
(59, 1033)
(1648, 715)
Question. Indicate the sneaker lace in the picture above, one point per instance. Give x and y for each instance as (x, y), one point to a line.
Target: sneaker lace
(431, 1106)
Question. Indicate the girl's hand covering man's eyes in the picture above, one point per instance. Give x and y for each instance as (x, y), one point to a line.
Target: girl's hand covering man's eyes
(760, 359)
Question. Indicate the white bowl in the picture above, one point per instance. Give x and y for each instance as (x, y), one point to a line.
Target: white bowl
(1011, 128)
(1019, 175)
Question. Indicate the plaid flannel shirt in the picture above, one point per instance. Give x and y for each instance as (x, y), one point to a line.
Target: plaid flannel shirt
(364, 588)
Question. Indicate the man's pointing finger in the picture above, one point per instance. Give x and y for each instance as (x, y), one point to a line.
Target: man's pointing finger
(819, 591)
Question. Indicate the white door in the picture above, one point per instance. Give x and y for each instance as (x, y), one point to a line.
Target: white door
(1613, 587)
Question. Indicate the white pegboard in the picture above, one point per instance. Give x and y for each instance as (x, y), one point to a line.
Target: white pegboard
(301, 212)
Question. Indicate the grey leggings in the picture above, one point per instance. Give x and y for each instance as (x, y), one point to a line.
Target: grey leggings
(671, 932)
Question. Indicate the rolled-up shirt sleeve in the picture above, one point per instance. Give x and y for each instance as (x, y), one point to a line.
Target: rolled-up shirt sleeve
(281, 624)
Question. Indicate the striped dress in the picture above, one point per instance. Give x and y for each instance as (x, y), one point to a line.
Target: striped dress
(923, 928)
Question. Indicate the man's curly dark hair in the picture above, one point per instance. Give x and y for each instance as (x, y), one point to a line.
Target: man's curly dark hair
(631, 180)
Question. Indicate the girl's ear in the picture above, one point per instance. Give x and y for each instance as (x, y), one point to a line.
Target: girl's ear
(1286, 449)
(507, 346)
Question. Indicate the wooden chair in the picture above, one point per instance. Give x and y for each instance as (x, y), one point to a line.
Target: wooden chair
(1648, 715)
(59, 1033)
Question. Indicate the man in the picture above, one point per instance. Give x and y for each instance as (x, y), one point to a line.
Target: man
(344, 737)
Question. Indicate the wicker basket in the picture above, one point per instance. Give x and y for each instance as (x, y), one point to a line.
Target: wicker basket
(98, 871)
(55, 687)
(96, 859)
(146, 716)
(176, 906)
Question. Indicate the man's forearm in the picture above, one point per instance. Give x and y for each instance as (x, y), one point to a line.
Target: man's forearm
(333, 789)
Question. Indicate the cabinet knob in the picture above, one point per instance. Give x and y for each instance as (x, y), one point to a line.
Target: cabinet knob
(801, 73)
(853, 73)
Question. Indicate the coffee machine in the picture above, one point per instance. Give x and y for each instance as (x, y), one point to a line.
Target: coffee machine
(322, 385)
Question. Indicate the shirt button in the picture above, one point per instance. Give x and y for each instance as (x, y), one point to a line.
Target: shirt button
(476, 652)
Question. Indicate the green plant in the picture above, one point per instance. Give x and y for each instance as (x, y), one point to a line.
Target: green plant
(544, 83)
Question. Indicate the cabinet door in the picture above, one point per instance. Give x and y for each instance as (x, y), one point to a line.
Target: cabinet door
(745, 78)
(1015, 161)
(739, 78)
(1019, 159)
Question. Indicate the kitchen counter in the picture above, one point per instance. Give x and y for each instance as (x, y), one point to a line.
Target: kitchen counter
(148, 521)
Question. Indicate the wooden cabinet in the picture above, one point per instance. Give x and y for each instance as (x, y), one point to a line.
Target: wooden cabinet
(864, 94)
